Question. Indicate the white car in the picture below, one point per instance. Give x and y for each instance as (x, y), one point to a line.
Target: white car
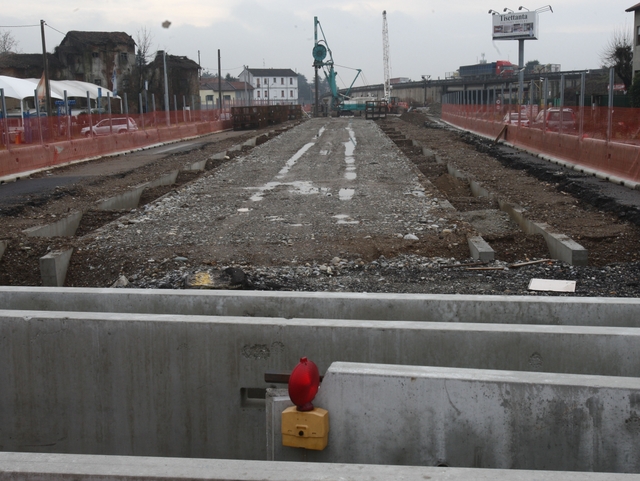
(117, 126)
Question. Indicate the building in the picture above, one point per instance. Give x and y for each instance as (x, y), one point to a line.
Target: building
(98, 58)
(182, 80)
(636, 37)
(29, 65)
(234, 93)
(272, 85)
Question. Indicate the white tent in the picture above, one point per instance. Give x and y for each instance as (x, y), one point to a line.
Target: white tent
(19, 88)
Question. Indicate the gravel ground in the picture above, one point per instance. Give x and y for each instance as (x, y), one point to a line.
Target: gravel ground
(336, 205)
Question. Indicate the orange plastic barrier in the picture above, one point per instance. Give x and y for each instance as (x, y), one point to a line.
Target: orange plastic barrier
(611, 147)
(57, 142)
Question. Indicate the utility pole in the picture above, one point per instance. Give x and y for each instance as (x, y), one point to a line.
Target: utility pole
(219, 82)
(166, 89)
(47, 87)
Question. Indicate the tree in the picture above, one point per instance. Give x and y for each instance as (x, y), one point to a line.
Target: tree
(619, 54)
(230, 78)
(531, 66)
(140, 72)
(7, 42)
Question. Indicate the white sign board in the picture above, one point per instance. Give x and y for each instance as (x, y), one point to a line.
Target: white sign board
(515, 26)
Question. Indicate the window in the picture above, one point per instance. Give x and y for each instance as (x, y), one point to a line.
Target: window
(97, 81)
(281, 80)
(274, 80)
(638, 36)
(290, 80)
(258, 92)
(95, 54)
(209, 98)
(282, 94)
(266, 81)
(125, 83)
(123, 56)
(266, 94)
(291, 93)
(258, 82)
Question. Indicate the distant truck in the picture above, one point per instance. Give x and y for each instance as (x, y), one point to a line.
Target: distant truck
(501, 68)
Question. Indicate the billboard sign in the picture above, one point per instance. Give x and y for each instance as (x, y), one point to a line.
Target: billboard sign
(515, 26)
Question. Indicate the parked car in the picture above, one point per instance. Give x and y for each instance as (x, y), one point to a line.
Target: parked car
(552, 122)
(513, 118)
(118, 125)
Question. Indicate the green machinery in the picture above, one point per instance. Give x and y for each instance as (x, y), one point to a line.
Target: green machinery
(339, 102)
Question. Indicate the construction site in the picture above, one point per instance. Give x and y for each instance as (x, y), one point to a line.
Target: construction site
(464, 288)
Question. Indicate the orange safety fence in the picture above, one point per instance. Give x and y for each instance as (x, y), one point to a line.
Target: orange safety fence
(596, 138)
(31, 144)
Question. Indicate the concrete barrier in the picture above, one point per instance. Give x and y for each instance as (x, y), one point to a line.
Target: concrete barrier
(415, 415)
(562, 311)
(61, 467)
(127, 200)
(65, 227)
(53, 267)
(619, 161)
(3, 247)
(161, 385)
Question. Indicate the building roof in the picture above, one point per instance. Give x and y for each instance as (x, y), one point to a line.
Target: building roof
(176, 61)
(272, 72)
(634, 8)
(211, 83)
(97, 38)
(27, 61)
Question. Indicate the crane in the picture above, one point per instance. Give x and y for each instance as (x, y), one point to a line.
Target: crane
(385, 57)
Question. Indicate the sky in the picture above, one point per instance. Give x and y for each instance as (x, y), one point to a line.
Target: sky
(426, 37)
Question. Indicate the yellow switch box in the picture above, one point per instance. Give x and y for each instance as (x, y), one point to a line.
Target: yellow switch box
(305, 429)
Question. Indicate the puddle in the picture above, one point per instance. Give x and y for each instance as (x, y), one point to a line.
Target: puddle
(346, 194)
(345, 219)
(292, 161)
(350, 176)
(298, 187)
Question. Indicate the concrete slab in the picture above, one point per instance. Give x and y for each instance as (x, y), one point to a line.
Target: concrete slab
(63, 467)
(167, 179)
(584, 311)
(391, 414)
(63, 228)
(53, 267)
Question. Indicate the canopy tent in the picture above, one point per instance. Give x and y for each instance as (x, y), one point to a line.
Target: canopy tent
(19, 88)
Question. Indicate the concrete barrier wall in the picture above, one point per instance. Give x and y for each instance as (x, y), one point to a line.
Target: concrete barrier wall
(561, 310)
(60, 467)
(615, 159)
(158, 385)
(35, 157)
(474, 418)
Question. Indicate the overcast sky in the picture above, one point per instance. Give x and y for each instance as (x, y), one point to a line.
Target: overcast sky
(426, 37)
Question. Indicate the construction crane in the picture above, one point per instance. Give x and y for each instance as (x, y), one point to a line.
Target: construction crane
(385, 57)
(320, 60)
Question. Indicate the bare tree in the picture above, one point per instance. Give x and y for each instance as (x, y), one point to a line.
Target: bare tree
(140, 72)
(7, 42)
(619, 54)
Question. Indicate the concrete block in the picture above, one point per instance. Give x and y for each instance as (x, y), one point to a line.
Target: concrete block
(53, 267)
(480, 250)
(562, 247)
(3, 247)
(408, 415)
(71, 467)
(167, 179)
(63, 228)
(219, 156)
(196, 166)
(429, 154)
(124, 201)
(535, 310)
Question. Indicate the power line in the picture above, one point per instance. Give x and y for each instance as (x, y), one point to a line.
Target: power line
(17, 26)
(62, 33)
